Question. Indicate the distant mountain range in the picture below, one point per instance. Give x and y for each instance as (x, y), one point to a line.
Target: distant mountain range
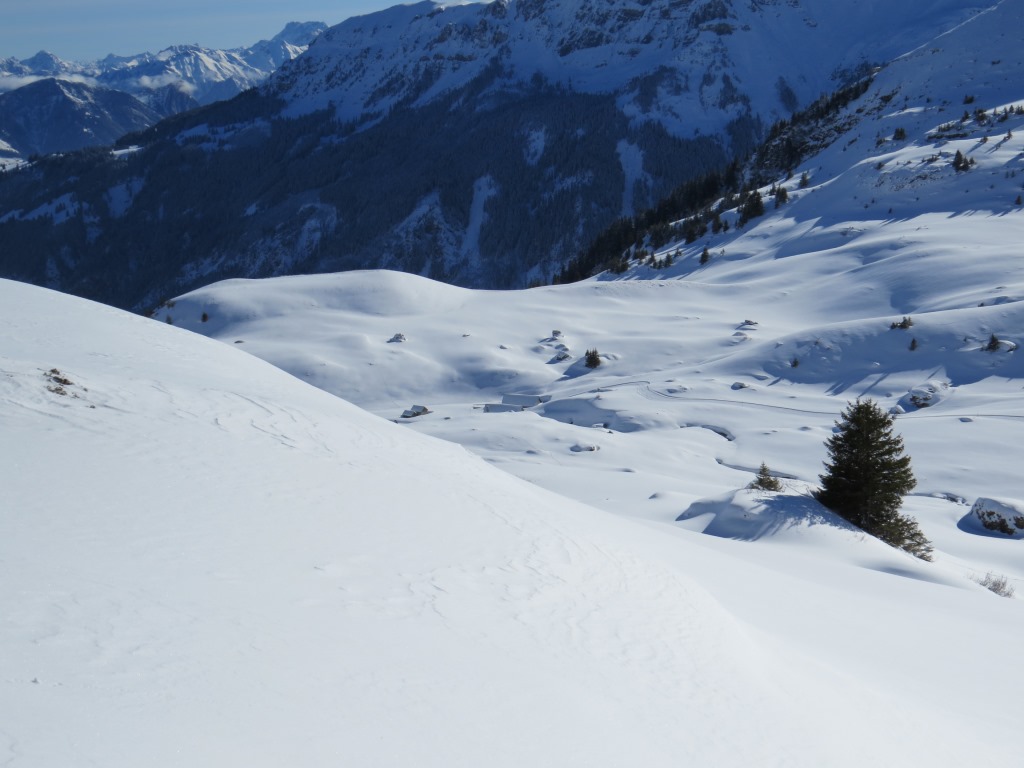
(484, 144)
(51, 105)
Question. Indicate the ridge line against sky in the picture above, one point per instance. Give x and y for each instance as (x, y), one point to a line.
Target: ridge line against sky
(76, 31)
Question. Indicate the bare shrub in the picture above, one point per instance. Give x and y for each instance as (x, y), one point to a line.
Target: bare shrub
(997, 583)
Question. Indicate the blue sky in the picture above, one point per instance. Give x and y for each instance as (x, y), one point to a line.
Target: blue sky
(84, 30)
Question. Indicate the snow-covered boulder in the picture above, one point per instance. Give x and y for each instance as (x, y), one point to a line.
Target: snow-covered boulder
(749, 515)
(1005, 516)
(925, 395)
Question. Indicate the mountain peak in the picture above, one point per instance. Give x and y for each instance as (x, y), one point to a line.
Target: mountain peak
(45, 62)
(299, 32)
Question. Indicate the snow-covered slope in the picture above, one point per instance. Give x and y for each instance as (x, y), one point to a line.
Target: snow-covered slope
(889, 275)
(54, 115)
(206, 560)
(693, 67)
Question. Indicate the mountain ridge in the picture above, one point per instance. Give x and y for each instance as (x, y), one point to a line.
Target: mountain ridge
(580, 575)
(52, 115)
(174, 80)
(496, 181)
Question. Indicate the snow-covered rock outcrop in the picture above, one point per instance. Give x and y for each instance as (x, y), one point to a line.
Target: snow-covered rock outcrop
(1005, 516)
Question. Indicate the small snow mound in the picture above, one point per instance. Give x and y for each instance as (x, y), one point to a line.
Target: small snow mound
(750, 515)
(584, 448)
(1002, 516)
(996, 301)
(932, 392)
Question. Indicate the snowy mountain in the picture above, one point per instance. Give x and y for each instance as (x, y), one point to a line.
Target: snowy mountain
(268, 55)
(54, 115)
(693, 67)
(552, 564)
(171, 81)
(890, 274)
(204, 73)
(480, 144)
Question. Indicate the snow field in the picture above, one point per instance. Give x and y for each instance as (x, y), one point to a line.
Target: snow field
(226, 564)
(230, 566)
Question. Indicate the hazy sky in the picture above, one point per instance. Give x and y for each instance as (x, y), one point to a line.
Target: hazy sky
(85, 30)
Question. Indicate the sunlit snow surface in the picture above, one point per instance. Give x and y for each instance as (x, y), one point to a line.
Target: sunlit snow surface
(565, 635)
(207, 562)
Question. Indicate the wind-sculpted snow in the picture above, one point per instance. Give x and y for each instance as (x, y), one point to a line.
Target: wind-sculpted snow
(224, 563)
(229, 565)
(888, 274)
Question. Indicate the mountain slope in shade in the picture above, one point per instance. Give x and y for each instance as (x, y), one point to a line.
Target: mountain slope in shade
(59, 116)
(206, 553)
(694, 67)
(483, 145)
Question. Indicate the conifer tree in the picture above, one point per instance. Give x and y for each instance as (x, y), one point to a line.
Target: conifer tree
(592, 358)
(868, 475)
(764, 480)
(752, 207)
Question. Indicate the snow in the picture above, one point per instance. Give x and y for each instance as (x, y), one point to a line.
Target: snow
(1003, 515)
(707, 73)
(631, 157)
(483, 190)
(660, 431)
(206, 74)
(120, 197)
(229, 565)
(60, 210)
(536, 143)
